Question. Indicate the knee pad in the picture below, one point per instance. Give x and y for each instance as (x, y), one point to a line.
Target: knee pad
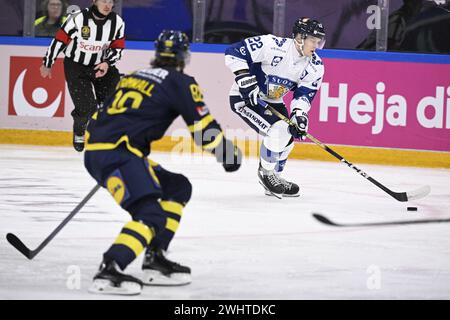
(175, 186)
(179, 189)
(277, 137)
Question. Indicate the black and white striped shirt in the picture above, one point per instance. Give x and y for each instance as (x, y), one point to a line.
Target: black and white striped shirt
(88, 41)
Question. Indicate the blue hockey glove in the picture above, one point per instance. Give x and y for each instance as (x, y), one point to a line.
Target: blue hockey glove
(248, 88)
(300, 120)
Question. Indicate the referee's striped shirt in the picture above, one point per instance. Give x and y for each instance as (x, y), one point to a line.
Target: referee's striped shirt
(88, 41)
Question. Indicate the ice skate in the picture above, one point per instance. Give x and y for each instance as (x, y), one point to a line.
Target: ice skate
(290, 189)
(271, 182)
(159, 271)
(109, 280)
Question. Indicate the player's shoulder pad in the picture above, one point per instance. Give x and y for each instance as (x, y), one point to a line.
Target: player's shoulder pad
(181, 76)
(192, 87)
(316, 60)
(280, 42)
(181, 79)
(276, 44)
(189, 80)
(315, 63)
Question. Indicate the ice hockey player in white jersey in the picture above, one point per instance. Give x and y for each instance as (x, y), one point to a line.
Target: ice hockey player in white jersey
(267, 68)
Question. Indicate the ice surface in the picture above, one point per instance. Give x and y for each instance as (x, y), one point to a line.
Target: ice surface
(239, 243)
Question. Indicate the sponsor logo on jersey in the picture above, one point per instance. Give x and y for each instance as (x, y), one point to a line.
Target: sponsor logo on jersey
(276, 60)
(85, 32)
(243, 51)
(278, 49)
(315, 60)
(117, 187)
(278, 87)
(89, 47)
(278, 42)
(304, 74)
(30, 94)
(253, 117)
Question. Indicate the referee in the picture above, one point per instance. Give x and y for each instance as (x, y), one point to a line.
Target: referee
(92, 41)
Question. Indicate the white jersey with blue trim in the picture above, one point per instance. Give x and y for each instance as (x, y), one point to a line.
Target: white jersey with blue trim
(278, 67)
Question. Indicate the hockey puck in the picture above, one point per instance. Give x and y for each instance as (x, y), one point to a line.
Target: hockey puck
(411, 208)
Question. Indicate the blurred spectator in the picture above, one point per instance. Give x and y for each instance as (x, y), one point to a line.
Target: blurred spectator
(429, 31)
(398, 22)
(52, 20)
(163, 14)
(232, 21)
(11, 17)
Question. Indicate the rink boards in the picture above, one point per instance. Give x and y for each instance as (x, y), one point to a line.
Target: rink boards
(387, 108)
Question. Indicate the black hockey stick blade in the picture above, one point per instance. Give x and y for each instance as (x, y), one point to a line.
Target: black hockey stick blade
(324, 220)
(19, 245)
(328, 222)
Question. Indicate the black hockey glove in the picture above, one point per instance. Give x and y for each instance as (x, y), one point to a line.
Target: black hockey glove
(232, 157)
(300, 121)
(248, 88)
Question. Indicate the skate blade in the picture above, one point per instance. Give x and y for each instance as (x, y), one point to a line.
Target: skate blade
(126, 288)
(268, 193)
(276, 195)
(156, 278)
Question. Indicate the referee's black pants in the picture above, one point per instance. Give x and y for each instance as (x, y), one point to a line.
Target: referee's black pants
(87, 91)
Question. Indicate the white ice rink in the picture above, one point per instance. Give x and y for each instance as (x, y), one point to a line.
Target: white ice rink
(239, 243)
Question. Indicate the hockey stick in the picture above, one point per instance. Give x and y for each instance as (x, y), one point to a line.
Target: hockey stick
(400, 196)
(30, 254)
(328, 222)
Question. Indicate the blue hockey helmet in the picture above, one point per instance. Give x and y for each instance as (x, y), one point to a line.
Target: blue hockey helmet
(172, 44)
(308, 27)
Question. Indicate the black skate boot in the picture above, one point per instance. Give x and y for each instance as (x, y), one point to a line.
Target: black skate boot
(159, 271)
(290, 189)
(109, 280)
(271, 182)
(78, 142)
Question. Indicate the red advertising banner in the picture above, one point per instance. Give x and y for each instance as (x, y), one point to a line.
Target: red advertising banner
(32, 95)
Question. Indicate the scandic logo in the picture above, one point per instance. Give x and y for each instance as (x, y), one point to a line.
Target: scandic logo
(30, 94)
(93, 48)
